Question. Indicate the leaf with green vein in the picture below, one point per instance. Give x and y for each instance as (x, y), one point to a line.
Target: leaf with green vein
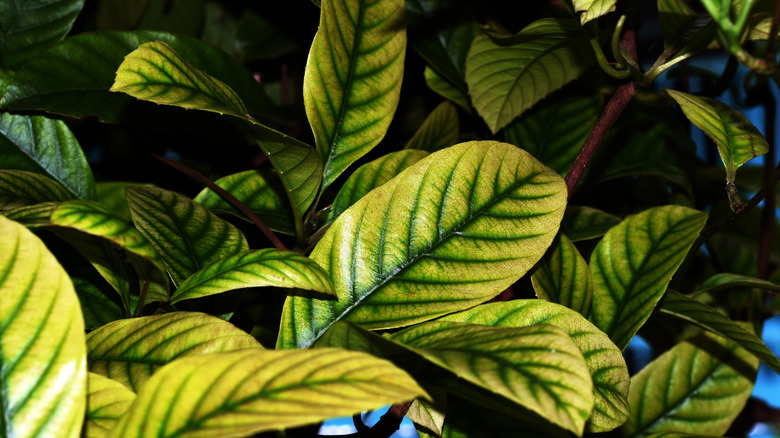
(445, 89)
(706, 383)
(438, 131)
(256, 190)
(370, 176)
(131, 350)
(242, 393)
(584, 223)
(29, 28)
(592, 9)
(428, 415)
(737, 139)
(604, 360)
(724, 281)
(706, 317)
(112, 195)
(563, 277)
(107, 402)
(36, 215)
(506, 78)
(451, 231)
(46, 146)
(554, 130)
(186, 235)
(633, 263)
(255, 268)
(43, 370)
(19, 188)
(353, 79)
(537, 367)
(97, 307)
(155, 72)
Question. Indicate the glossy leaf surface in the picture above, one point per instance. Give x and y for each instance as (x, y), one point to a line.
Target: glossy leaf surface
(186, 235)
(438, 131)
(107, 401)
(592, 9)
(353, 78)
(604, 360)
(706, 384)
(427, 242)
(131, 350)
(241, 393)
(507, 78)
(19, 188)
(563, 277)
(255, 268)
(43, 360)
(633, 264)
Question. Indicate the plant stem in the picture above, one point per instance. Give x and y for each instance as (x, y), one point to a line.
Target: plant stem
(197, 176)
(386, 426)
(768, 214)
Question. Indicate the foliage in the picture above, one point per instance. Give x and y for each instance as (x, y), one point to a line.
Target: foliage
(231, 219)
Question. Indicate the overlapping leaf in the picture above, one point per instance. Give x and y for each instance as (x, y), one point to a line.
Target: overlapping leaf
(446, 90)
(35, 215)
(130, 350)
(46, 146)
(563, 277)
(706, 383)
(42, 360)
(505, 78)
(186, 235)
(724, 281)
(592, 9)
(633, 264)
(29, 28)
(242, 393)
(353, 78)
(583, 223)
(604, 360)
(438, 131)
(467, 419)
(449, 232)
(255, 268)
(19, 188)
(107, 402)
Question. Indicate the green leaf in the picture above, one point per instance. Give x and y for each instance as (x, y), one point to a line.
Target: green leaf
(506, 78)
(119, 14)
(112, 195)
(353, 79)
(255, 268)
(42, 360)
(737, 139)
(19, 188)
(467, 419)
(604, 360)
(257, 38)
(451, 231)
(563, 277)
(676, 19)
(242, 393)
(48, 147)
(29, 28)
(186, 235)
(438, 131)
(555, 130)
(725, 281)
(97, 307)
(370, 176)
(710, 319)
(592, 9)
(705, 384)
(258, 192)
(36, 215)
(155, 72)
(537, 367)
(131, 350)
(633, 264)
(107, 402)
(584, 223)
(445, 89)
(427, 415)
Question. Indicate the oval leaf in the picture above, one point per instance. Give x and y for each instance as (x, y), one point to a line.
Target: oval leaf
(242, 393)
(130, 350)
(353, 78)
(583, 223)
(19, 188)
(592, 9)
(445, 89)
(604, 360)
(186, 235)
(725, 281)
(107, 402)
(563, 277)
(255, 268)
(706, 383)
(633, 264)
(438, 131)
(451, 231)
(506, 79)
(43, 358)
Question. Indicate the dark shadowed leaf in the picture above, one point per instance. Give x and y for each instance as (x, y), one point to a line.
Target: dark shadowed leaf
(19, 188)
(438, 131)
(563, 277)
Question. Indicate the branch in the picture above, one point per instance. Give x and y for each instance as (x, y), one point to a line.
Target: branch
(386, 426)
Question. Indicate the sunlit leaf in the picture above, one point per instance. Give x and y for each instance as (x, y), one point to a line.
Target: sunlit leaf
(451, 231)
(697, 387)
(428, 415)
(255, 268)
(563, 277)
(438, 131)
(48, 147)
(107, 402)
(35, 215)
(42, 360)
(506, 78)
(604, 360)
(130, 350)
(592, 9)
(29, 28)
(633, 264)
(241, 393)
(19, 188)
(186, 235)
(353, 78)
